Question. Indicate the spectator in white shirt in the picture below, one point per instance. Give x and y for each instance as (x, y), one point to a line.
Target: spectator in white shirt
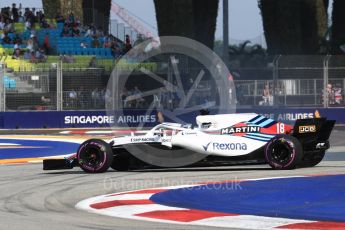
(2, 25)
(28, 24)
(83, 45)
(21, 18)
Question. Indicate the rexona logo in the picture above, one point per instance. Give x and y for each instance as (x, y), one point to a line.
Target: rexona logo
(307, 129)
(243, 129)
(225, 146)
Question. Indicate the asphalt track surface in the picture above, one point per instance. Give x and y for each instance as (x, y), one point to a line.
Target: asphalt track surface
(33, 199)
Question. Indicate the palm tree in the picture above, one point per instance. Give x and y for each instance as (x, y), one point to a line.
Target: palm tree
(65, 7)
(51, 7)
(338, 20)
(294, 26)
(88, 11)
(98, 12)
(246, 55)
(195, 19)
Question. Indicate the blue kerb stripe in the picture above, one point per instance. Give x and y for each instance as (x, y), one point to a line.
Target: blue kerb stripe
(322, 198)
(38, 148)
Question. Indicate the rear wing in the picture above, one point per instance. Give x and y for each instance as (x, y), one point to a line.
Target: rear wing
(312, 131)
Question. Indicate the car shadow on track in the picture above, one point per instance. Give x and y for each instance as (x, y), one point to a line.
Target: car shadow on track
(65, 173)
(167, 170)
(203, 169)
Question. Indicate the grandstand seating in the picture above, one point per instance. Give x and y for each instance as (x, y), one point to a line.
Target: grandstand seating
(63, 46)
(71, 46)
(108, 65)
(25, 65)
(81, 62)
(9, 83)
(19, 27)
(60, 45)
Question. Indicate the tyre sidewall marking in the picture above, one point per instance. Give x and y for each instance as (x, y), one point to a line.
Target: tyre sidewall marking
(283, 141)
(101, 147)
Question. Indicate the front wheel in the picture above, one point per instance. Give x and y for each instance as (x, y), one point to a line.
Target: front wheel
(94, 156)
(283, 152)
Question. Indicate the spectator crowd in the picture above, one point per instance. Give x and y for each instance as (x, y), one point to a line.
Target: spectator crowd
(72, 27)
(32, 18)
(28, 49)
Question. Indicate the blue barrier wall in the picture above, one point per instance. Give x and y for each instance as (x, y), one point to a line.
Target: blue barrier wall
(83, 119)
(290, 115)
(74, 119)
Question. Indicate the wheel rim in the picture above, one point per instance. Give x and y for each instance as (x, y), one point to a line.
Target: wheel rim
(92, 157)
(281, 153)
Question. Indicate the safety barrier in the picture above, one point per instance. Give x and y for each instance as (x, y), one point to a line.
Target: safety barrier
(134, 118)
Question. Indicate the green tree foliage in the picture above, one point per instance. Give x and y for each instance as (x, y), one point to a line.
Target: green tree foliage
(194, 19)
(294, 26)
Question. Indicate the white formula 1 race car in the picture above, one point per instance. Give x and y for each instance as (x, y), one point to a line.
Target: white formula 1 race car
(219, 139)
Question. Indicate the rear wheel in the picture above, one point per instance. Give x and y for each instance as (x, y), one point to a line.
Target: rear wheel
(94, 156)
(283, 152)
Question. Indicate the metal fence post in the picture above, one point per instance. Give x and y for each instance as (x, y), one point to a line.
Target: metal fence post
(315, 90)
(275, 78)
(255, 90)
(2, 89)
(226, 32)
(59, 88)
(325, 81)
